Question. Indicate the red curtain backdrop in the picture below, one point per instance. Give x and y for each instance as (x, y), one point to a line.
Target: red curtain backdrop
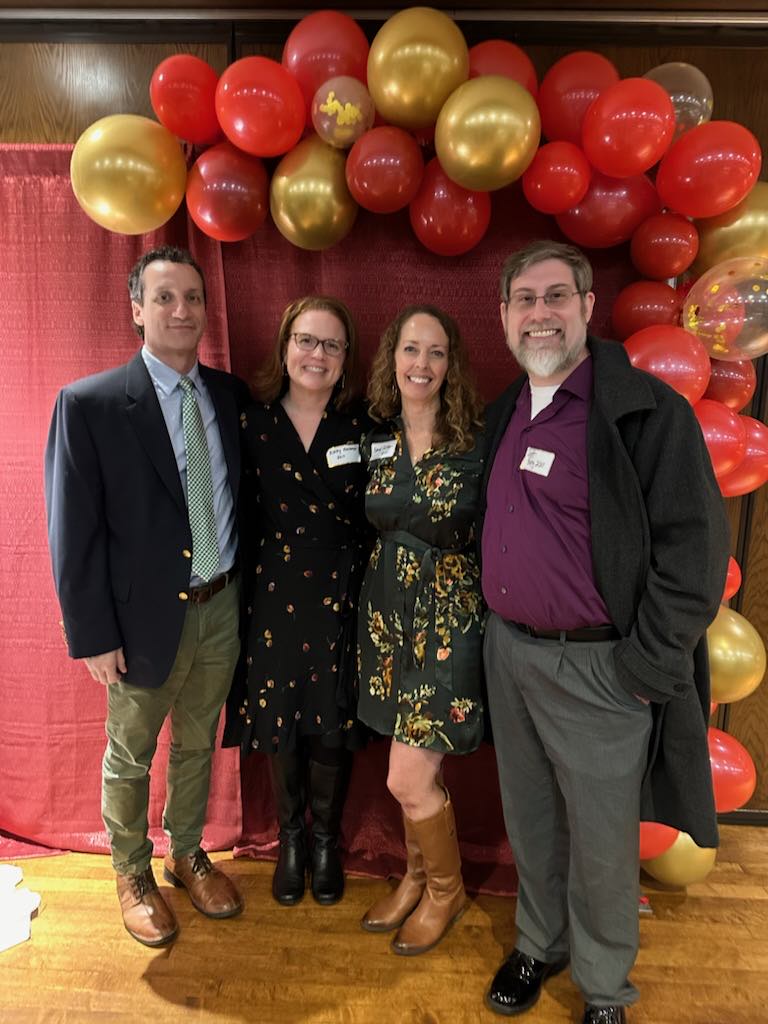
(64, 312)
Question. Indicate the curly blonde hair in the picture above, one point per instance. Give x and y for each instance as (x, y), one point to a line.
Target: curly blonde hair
(270, 382)
(459, 416)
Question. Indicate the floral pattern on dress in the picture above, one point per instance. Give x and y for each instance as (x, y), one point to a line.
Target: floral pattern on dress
(420, 643)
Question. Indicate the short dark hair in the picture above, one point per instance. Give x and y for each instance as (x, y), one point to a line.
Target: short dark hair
(168, 254)
(538, 252)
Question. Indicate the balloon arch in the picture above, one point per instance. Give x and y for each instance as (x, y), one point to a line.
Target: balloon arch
(634, 160)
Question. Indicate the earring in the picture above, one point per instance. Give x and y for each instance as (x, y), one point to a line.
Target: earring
(342, 380)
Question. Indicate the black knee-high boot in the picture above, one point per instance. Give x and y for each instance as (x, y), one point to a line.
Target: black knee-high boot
(327, 791)
(288, 787)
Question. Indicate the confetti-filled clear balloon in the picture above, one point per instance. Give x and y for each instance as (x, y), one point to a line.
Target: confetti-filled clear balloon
(342, 111)
(727, 309)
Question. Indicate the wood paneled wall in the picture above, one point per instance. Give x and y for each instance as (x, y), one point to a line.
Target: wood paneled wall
(55, 81)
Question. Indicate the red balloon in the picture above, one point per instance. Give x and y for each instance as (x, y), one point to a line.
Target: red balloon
(498, 57)
(557, 178)
(628, 128)
(446, 218)
(664, 246)
(567, 90)
(655, 839)
(183, 96)
(724, 434)
(227, 193)
(732, 382)
(752, 471)
(673, 355)
(709, 169)
(260, 106)
(610, 212)
(732, 580)
(324, 45)
(644, 304)
(384, 169)
(733, 771)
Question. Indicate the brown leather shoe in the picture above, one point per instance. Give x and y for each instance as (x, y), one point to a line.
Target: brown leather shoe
(146, 915)
(444, 899)
(211, 892)
(391, 910)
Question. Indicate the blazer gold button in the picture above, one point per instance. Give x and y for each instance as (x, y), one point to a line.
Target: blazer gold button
(183, 596)
(186, 553)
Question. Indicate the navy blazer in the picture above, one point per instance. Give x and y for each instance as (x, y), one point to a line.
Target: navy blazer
(117, 518)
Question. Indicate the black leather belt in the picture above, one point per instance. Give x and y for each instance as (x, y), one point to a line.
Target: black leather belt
(199, 595)
(585, 634)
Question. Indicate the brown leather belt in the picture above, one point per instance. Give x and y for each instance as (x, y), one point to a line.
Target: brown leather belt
(585, 634)
(199, 595)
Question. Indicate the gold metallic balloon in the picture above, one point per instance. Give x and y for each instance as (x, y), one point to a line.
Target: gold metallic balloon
(487, 133)
(736, 656)
(342, 111)
(128, 173)
(683, 863)
(742, 231)
(309, 198)
(416, 60)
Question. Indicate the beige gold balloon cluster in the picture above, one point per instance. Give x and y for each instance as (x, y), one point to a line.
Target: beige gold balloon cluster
(129, 173)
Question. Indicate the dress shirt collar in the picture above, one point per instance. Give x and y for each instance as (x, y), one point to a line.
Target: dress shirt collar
(165, 377)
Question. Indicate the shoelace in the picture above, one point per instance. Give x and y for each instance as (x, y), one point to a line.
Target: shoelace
(142, 884)
(201, 863)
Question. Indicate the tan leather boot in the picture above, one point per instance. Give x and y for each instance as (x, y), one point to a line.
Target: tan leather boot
(391, 910)
(146, 915)
(444, 900)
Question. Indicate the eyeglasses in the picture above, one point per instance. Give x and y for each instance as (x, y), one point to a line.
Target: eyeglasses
(308, 343)
(554, 298)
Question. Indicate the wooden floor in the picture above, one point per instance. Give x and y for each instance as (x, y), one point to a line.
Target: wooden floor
(703, 957)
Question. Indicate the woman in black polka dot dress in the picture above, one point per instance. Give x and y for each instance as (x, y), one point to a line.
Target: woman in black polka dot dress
(302, 444)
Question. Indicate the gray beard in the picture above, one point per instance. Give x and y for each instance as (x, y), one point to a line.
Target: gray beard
(547, 362)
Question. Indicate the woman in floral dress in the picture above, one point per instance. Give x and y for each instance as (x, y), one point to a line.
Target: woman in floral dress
(421, 611)
(301, 442)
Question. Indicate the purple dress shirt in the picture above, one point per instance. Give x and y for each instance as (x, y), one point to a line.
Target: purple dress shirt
(537, 548)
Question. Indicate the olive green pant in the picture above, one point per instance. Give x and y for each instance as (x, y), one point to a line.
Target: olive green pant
(193, 695)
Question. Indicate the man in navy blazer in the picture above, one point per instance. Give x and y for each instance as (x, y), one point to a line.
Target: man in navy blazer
(149, 624)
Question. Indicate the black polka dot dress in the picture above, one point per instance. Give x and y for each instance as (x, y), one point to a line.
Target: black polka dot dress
(314, 542)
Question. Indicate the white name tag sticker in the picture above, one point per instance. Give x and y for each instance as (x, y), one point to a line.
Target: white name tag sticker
(383, 449)
(342, 455)
(538, 461)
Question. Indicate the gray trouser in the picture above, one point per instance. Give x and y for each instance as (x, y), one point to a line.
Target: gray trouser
(571, 749)
(192, 695)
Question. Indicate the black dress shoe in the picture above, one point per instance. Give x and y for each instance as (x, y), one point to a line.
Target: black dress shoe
(604, 1015)
(517, 984)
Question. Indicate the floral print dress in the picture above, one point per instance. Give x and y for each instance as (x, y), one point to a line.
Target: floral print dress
(421, 611)
(314, 540)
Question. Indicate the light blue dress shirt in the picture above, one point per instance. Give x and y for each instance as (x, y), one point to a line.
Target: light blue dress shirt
(169, 394)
